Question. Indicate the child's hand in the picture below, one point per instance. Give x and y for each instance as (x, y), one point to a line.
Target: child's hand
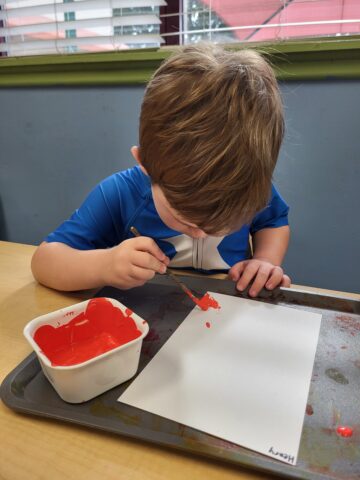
(263, 274)
(133, 262)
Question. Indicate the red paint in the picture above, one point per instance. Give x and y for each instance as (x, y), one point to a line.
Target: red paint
(344, 431)
(152, 336)
(309, 409)
(128, 312)
(349, 324)
(205, 302)
(102, 327)
(208, 324)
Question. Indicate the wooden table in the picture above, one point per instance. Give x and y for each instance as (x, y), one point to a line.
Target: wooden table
(34, 448)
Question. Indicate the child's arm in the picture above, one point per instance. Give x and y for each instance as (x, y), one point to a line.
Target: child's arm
(270, 245)
(127, 265)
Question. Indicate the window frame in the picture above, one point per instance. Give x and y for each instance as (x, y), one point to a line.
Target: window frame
(316, 58)
(171, 23)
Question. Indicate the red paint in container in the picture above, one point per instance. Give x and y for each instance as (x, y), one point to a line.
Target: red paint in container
(344, 431)
(100, 328)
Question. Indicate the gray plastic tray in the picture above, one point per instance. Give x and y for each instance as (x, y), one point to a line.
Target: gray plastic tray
(334, 396)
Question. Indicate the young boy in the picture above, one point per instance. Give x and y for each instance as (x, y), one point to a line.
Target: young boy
(211, 127)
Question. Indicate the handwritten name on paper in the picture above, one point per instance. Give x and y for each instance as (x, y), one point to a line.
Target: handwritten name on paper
(285, 456)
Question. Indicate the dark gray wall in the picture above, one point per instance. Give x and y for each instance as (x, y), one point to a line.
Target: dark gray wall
(319, 175)
(56, 144)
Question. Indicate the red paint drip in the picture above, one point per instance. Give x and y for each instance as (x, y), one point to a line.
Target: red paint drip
(208, 324)
(309, 409)
(102, 327)
(205, 302)
(344, 431)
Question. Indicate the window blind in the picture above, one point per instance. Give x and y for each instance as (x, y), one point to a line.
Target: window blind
(33, 27)
(227, 21)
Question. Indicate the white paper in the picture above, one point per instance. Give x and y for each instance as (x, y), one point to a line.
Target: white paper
(245, 379)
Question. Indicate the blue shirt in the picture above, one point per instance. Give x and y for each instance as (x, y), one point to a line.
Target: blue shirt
(125, 199)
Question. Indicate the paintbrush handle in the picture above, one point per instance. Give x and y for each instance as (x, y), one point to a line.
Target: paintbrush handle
(180, 283)
(135, 231)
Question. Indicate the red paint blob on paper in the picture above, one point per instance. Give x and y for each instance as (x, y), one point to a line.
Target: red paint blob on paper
(205, 302)
(128, 312)
(102, 327)
(344, 431)
(208, 324)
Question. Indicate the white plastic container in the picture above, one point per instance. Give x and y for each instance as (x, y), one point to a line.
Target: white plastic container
(83, 381)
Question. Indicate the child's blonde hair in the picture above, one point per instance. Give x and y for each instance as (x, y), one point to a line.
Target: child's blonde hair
(211, 127)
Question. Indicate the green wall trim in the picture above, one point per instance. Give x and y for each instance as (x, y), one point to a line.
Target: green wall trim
(310, 59)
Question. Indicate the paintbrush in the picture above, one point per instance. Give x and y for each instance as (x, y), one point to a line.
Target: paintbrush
(182, 285)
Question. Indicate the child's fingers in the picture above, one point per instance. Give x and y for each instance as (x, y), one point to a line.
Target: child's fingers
(260, 280)
(286, 281)
(141, 275)
(275, 278)
(147, 261)
(146, 244)
(247, 275)
(236, 270)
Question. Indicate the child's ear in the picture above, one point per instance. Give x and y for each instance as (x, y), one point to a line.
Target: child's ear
(135, 151)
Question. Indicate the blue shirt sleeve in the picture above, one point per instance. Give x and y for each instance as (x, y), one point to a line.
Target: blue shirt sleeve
(97, 223)
(273, 216)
